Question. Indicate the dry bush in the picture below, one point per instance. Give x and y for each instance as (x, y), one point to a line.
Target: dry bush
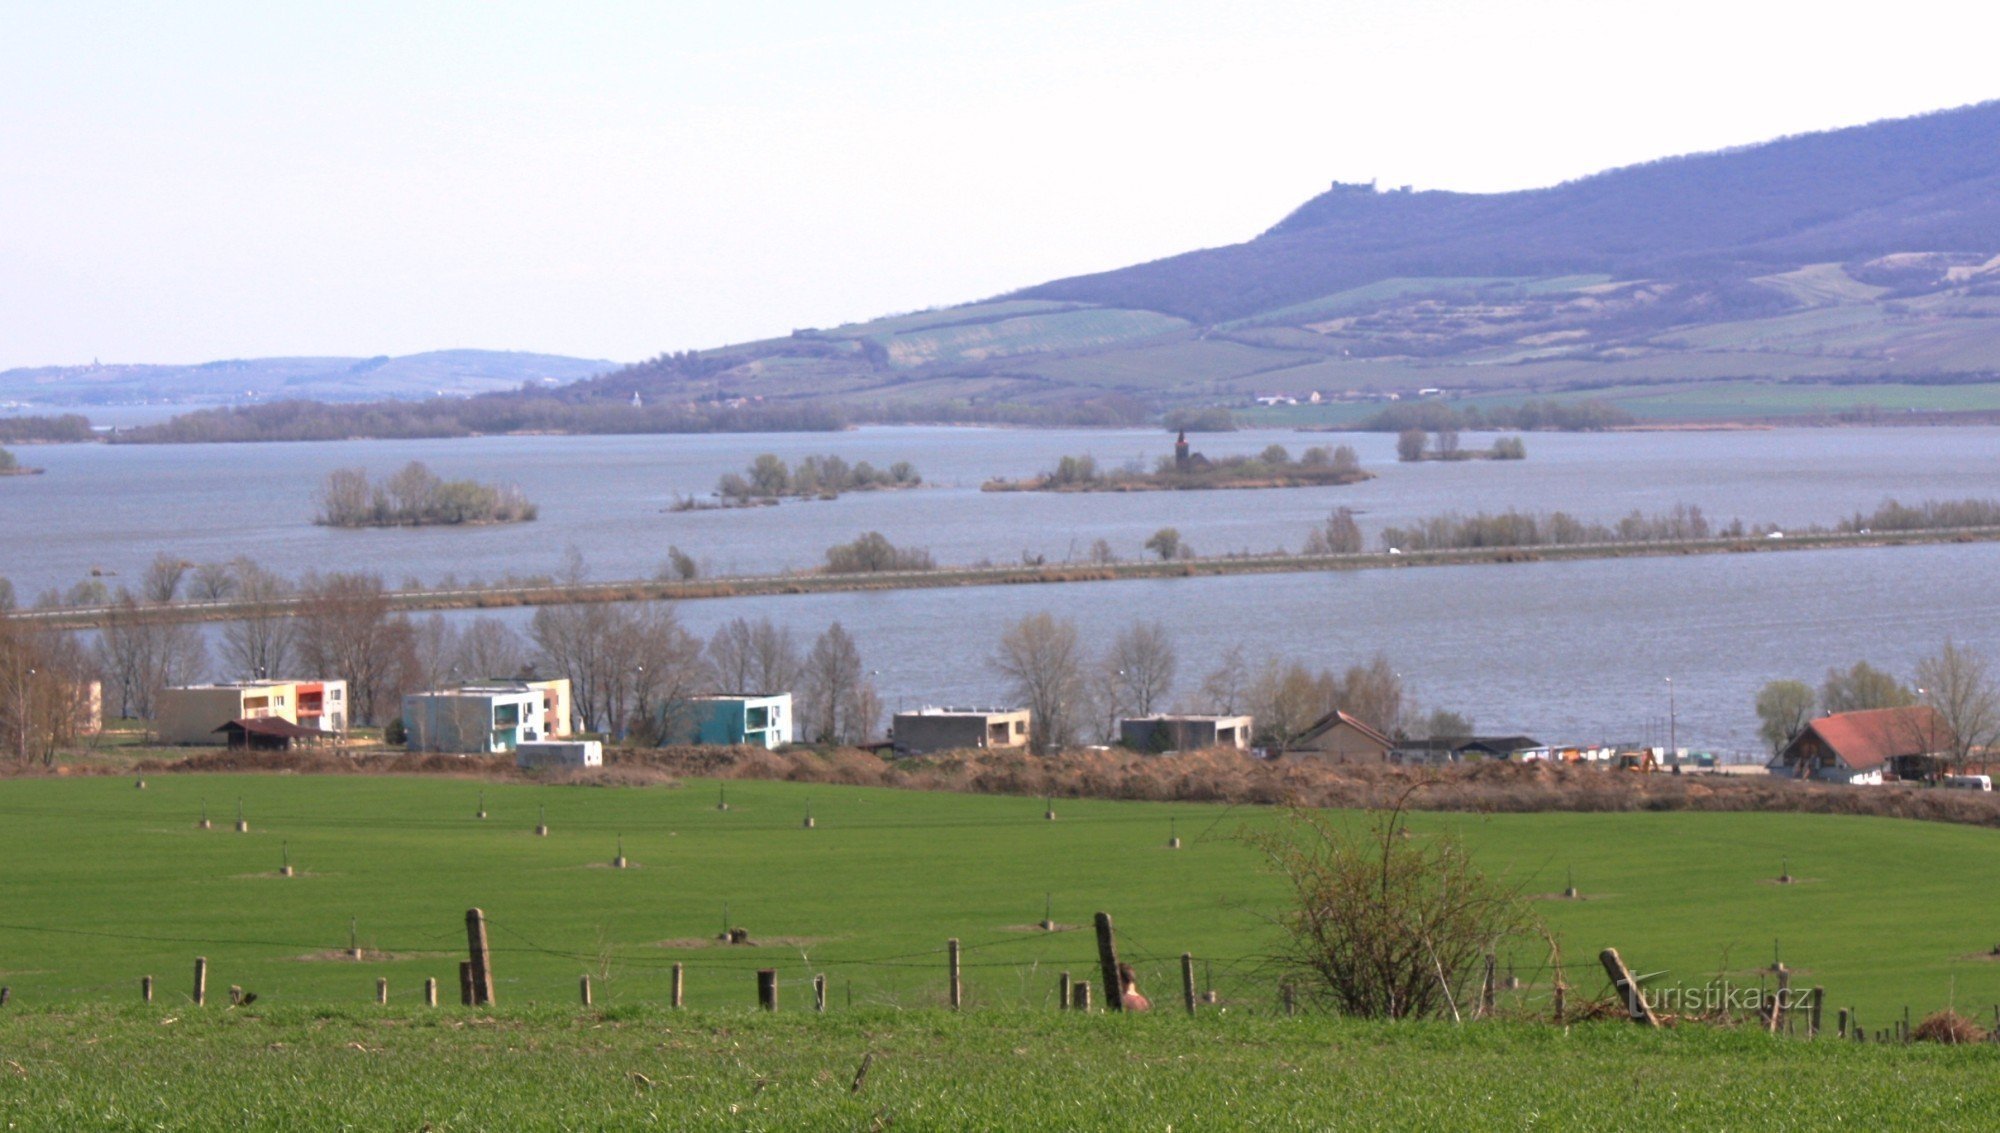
(1948, 1027)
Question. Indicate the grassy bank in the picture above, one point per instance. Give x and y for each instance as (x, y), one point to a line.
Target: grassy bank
(628, 1068)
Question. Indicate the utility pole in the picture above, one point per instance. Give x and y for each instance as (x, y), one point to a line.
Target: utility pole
(1673, 745)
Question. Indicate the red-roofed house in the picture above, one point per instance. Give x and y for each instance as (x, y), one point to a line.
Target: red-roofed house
(1869, 746)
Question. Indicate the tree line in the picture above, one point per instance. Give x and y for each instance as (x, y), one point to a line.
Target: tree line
(68, 428)
(484, 415)
(1416, 444)
(416, 497)
(1585, 415)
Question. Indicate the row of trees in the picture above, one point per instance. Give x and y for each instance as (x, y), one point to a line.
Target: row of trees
(1433, 416)
(486, 414)
(1511, 528)
(1957, 683)
(1417, 444)
(769, 477)
(1079, 695)
(416, 497)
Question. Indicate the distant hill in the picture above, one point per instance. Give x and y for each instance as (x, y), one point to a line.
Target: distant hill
(1862, 255)
(1852, 271)
(447, 372)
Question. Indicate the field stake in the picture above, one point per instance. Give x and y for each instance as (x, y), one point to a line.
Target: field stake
(1286, 993)
(482, 957)
(767, 988)
(541, 821)
(1628, 988)
(1107, 962)
(1486, 989)
(1187, 981)
(242, 823)
(583, 989)
(819, 993)
(200, 980)
(678, 986)
(430, 991)
(1813, 1012)
(382, 990)
(957, 988)
(146, 988)
(1062, 992)
(465, 983)
(1079, 993)
(1781, 1000)
(1842, 1023)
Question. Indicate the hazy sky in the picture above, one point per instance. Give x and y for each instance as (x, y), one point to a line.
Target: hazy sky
(196, 180)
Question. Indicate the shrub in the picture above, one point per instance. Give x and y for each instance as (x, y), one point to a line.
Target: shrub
(1382, 925)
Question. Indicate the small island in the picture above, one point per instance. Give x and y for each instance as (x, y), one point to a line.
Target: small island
(12, 467)
(1416, 444)
(416, 497)
(769, 479)
(1187, 470)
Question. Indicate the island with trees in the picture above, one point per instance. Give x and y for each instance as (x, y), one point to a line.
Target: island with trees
(416, 497)
(1415, 444)
(9, 466)
(1187, 470)
(769, 479)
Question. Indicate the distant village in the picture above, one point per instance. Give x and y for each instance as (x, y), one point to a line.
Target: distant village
(533, 720)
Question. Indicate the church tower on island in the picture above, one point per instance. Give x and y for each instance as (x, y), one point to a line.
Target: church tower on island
(1181, 452)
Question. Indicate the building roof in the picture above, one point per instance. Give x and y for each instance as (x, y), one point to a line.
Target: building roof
(1334, 719)
(963, 712)
(1187, 717)
(1868, 739)
(275, 726)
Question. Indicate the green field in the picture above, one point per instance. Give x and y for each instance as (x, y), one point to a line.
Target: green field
(108, 883)
(567, 1069)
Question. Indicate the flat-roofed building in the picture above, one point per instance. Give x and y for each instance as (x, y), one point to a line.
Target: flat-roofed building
(758, 719)
(478, 718)
(951, 729)
(191, 714)
(1181, 732)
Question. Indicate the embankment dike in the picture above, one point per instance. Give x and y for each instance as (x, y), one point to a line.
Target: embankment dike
(772, 585)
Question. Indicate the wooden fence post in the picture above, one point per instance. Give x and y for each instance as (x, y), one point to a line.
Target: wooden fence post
(1781, 1002)
(1486, 989)
(957, 987)
(1187, 981)
(146, 988)
(767, 988)
(583, 989)
(382, 990)
(819, 993)
(1290, 997)
(1107, 961)
(1079, 993)
(482, 957)
(1813, 1005)
(1628, 988)
(678, 987)
(1062, 992)
(465, 983)
(430, 991)
(200, 980)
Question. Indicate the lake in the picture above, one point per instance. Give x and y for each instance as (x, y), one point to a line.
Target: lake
(1564, 651)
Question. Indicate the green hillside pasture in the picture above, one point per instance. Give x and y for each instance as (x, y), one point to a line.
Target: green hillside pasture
(1823, 285)
(1183, 368)
(783, 375)
(1027, 334)
(366, 1068)
(107, 883)
(921, 320)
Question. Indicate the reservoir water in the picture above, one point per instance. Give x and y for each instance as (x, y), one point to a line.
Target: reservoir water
(1565, 651)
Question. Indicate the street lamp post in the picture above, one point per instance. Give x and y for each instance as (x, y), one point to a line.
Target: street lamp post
(1673, 738)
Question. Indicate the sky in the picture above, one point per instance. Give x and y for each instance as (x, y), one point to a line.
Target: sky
(201, 180)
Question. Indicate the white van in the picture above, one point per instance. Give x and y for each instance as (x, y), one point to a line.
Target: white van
(1969, 782)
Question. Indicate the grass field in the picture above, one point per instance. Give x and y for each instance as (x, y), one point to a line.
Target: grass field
(107, 883)
(647, 1067)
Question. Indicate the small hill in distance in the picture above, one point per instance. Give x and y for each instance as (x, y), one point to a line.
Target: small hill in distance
(455, 373)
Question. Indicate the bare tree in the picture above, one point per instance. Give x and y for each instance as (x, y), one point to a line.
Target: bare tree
(1043, 660)
(140, 652)
(261, 644)
(754, 657)
(43, 691)
(1958, 686)
(1222, 690)
(163, 578)
(1286, 698)
(346, 633)
(212, 582)
(1139, 668)
(628, 664)
(1373, 694)
(840, 702)
(489, 647)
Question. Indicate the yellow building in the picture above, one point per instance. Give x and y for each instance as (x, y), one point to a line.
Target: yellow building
(194, 713)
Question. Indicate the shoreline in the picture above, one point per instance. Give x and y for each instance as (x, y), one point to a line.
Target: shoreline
(773, 585)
